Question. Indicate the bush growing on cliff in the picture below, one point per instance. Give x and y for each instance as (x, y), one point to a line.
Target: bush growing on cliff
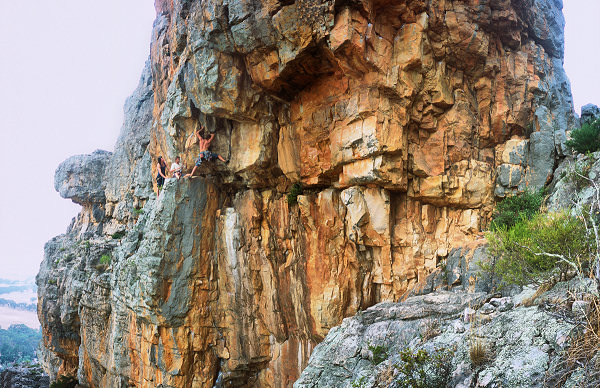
(118, 235)
(105, 259)
(422, 369)
(104, 262)
(578, 173)
(587, 138)
(533, 250)
(295, 191)
(379, 354)
(512, 209)
(359, 383)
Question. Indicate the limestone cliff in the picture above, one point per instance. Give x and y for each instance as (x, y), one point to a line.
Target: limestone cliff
(403, 120)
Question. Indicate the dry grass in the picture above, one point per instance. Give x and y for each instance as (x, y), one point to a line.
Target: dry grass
(587, 343)
(478, 352)
(385, 377)
(546, 286)
(583, 354)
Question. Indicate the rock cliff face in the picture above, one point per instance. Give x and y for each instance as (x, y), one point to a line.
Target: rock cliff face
(403, 120)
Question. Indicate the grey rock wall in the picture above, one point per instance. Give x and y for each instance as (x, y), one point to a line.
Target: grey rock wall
(524, 346)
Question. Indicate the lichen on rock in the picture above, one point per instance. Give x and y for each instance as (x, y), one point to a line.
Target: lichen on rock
(522, 346)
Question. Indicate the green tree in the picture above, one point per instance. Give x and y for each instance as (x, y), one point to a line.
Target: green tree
(18, 343)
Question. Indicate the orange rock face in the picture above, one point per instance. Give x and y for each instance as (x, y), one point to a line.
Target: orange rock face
(403, 120)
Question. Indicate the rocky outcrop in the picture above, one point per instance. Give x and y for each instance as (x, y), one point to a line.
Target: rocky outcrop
(403, 121)
(589, 112)
(575, 183)
(23, 376)
(81, 178)
(520, 346)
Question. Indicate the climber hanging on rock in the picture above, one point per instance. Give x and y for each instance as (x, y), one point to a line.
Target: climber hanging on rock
(205, 154)
(161, 174)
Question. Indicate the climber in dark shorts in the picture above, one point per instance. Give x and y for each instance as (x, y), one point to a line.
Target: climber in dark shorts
(161, 174)
(205, 154)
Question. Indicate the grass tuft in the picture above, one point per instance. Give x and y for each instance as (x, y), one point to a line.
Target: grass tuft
(478, 352)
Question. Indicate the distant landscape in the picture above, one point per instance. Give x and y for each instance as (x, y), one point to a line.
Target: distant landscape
(19, 326)
(18, 303)
(18, 344)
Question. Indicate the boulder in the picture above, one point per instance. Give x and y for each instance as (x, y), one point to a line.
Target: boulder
(81, 178)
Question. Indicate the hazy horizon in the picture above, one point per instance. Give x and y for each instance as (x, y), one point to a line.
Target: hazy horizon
(66, 75)
(67, 68)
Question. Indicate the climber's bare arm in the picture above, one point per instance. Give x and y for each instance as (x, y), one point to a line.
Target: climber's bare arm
(159, 171)
(212, 135)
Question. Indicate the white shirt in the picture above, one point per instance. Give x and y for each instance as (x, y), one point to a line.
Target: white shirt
(175, 167)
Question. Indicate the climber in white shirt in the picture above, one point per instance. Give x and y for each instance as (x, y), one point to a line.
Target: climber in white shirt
(176, 168)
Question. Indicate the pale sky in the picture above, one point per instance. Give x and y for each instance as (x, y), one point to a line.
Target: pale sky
(66, 67)
(582, 57)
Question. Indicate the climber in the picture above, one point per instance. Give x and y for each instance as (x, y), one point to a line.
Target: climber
(161, 175)
(205, 154)
(176, 168)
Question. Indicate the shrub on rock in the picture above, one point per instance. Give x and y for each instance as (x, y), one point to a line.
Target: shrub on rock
(512, 209)
(533, 250)
(423, 369)
(587, 138)
(295, 191)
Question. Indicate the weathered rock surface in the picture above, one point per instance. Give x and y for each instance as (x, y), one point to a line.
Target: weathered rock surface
(524, 346)
(404, 121)
(23, 377)
(589, 112)
(576, 182)
(81, 178)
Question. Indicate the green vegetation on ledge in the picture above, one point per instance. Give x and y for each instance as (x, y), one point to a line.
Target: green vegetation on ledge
(422, 369)
(585, 139)
(64, 382)
(118, 235)
(105, 259)
(379, 354)
(533, 250)
(513, 209)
